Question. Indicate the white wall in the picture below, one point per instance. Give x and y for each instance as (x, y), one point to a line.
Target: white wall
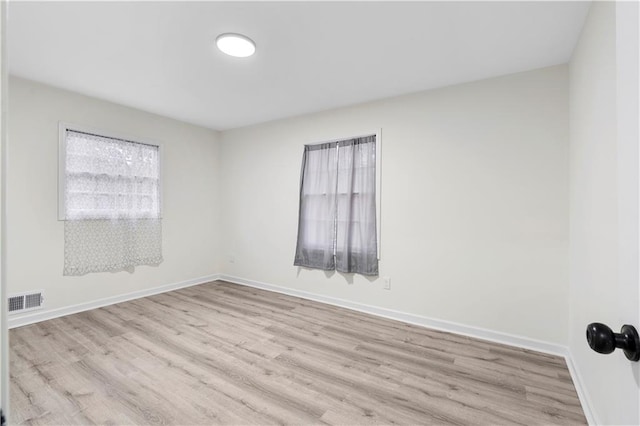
(35, 238)
(474, 203)
(603, 207)
(4, 333)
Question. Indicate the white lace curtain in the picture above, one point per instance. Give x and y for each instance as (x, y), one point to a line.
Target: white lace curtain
(111, 204)
(337, 217)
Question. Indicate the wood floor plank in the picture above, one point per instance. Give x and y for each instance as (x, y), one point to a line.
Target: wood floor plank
(221, 353)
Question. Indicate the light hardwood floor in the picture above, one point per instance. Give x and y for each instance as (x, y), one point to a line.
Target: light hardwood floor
(220, 353)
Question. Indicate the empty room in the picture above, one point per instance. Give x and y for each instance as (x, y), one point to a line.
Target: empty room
(301, 213)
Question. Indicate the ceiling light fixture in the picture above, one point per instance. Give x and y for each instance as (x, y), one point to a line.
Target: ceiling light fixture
(236, 45)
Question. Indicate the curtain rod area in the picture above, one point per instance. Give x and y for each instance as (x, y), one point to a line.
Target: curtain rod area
(341, 139)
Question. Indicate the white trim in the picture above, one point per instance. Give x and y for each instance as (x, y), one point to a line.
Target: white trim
(19, 321)
(436, 324)
(581, 390)
(4, 140)
(62, 157)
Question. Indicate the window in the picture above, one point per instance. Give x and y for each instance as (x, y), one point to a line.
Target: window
(337, 225)
(110, 201)
(109, 178)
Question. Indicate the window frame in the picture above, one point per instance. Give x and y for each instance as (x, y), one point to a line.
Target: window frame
(378, 134)
(62, 159)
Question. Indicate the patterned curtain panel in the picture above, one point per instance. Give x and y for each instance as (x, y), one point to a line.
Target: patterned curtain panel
(111, 245)
(112, 204)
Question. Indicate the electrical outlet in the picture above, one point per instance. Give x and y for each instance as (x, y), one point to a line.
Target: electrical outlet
(387, 283)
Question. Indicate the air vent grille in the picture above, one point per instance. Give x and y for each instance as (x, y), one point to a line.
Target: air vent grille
(32, 300)
(25, 302)
(16, 303)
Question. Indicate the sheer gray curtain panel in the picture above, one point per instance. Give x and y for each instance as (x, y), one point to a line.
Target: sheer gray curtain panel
(316, 222)
(337, 218)
(356, 239)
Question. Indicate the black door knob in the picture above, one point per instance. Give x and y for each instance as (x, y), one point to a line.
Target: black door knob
(603, 340)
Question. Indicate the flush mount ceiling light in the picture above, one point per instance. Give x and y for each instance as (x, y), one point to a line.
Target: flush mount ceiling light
(236, 45)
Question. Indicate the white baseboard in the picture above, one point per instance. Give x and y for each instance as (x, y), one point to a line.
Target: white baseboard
(452, 327)
(33, 317)
(583, 394)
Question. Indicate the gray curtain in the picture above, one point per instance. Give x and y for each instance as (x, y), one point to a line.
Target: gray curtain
(357, 243)
(337, 217)
(316, 222)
